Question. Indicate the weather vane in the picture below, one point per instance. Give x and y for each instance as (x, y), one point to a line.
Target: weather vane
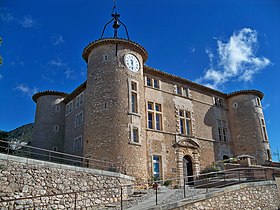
(117, 22)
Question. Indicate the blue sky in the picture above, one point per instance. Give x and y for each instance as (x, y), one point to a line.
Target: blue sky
(229, 45)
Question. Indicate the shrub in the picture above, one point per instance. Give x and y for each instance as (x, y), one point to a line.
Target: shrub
(211, 168)
(167, 183)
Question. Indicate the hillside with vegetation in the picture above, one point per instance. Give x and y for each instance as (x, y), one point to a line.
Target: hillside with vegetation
(21, 135)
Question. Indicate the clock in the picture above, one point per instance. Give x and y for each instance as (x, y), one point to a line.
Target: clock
(131, 62)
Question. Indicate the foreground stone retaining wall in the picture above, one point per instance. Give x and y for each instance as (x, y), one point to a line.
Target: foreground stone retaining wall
(249, 196)
(23, 177)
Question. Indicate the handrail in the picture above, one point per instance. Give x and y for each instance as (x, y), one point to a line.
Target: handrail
(201, 181)
(59, 157)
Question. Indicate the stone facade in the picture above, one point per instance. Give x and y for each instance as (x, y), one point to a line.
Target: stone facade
(150, 123)
(251, 196)
(23, 177)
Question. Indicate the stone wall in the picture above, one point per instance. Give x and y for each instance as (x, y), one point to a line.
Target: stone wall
(249, 196)
(23, 177)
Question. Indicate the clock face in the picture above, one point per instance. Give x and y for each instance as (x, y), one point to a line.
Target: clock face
(131, 62)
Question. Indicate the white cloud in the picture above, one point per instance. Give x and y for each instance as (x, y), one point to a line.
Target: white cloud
(26, 90)
(265, 106)
(236, 60)
(57, 63)
(5, 16)
(27, 22)
(68, 72)
(57, 40)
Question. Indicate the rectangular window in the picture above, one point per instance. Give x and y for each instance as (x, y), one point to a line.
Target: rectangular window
(69, 108)
(80, 100)
(156, 83)
(258, 101)
(225, 134)
(183, 91)
(219, 102)
(135, 135)
(179, 90)
(134, 102)
(156, 166)
(79, 119)
(185, 122)
(77, 144)
(158, 121)
(133, 96)
(57, 108)
(154, 116)
(222, 130)
(152, 82)
(56, 128)
(264, 130)
(149, 82)
(182, 126)
(150, 120)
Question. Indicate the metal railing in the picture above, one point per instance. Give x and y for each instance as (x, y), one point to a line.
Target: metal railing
(27, 151)
(86, 199)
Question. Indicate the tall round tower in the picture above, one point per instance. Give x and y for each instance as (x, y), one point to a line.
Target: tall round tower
(49, 122)
(114, 104)
(248, 130)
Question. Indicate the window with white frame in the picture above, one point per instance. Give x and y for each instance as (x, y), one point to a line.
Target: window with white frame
(219, 102)
(79, 119)
(133, 96)
(80, 100)
(154, 116)
(56, 128)
(152, 82)
(222, 130)
(185, 122)
(69, 108)
(264, 130)
(77, 144)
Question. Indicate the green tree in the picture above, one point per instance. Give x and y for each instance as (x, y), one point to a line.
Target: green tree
(3, 138)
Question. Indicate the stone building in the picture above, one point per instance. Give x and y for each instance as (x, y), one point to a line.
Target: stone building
(150, 123)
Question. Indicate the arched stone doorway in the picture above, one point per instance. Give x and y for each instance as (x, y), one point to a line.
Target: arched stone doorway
(188, 168)
(187, 158)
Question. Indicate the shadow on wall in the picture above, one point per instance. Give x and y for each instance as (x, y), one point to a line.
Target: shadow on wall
(217, 118)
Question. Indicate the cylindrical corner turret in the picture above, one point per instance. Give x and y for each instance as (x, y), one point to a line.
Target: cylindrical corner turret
(115, 105)
(248, 130)
(49, 122)
(114, 108)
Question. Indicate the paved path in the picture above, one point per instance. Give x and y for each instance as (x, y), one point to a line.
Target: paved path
(163, 194)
